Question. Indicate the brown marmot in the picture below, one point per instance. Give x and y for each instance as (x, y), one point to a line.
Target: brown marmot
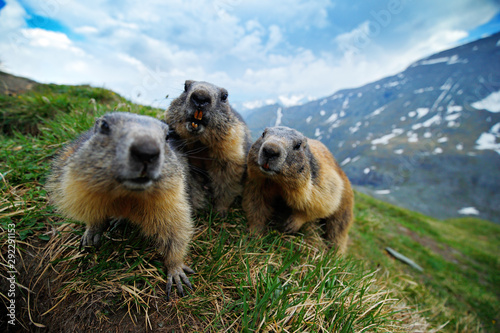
(297, 180)
(125, 168)
(215, 140)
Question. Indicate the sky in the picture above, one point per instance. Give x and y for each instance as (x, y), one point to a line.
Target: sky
(260, 51)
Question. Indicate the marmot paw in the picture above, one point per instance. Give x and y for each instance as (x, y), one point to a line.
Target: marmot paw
(178, 274)
(257, 229)
(291, 226)
(91, 238)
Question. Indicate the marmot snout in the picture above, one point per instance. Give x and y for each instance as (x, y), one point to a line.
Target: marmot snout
(202, 102)
(140, 156)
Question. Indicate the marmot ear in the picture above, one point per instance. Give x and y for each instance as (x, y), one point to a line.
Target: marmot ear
(101, 126)
(97, 124)
(187, 84)
(223, 94)
(297, 145)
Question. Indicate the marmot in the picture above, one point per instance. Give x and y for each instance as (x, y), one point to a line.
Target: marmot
(297, 179)
(215, 140)
(125, 168)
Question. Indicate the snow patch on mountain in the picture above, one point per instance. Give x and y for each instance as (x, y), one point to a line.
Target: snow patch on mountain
(468, 211)
(279, 115)
(412, 137)
(490, 103)
(345, 104)
(376, 112)
(384, 140)
(423, 90)
(332, 118)
(454, 108)
(257, 104)
(355, 128)
(437, 150)
(392, 84)
(454, 59)
(293, 100)
(490, 140)
(435, 120)
(346, 161)
(416, 126)
(452, 117)
(443, 139)
(422, 112)
(383, 192)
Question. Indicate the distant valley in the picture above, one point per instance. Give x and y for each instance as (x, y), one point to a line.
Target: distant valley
(427, 139)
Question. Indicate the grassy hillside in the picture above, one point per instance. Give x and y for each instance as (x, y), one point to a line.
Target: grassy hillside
(273, 283)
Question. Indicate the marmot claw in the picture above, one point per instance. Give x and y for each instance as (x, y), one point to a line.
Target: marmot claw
(91, 238)
(179, 274)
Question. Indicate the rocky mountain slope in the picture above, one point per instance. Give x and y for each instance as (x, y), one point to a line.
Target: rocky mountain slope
(427, 138)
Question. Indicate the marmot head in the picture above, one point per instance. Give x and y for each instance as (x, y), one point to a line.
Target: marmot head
(125, 151)
(202, 105)
(282, 154)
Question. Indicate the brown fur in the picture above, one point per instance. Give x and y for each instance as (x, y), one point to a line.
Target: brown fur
(284, 166)
(215, 140)
(97, 177)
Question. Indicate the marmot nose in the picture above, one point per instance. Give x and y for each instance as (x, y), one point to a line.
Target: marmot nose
(200, 99)
(270, 151)
(145, 152)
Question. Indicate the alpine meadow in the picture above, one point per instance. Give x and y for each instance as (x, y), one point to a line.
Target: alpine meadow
(447, 277)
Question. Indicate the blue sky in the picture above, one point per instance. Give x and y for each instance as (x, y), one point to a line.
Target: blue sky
(287, 51)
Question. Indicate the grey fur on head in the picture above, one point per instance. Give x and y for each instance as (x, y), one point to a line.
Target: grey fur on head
(201, 102)
(130, 149)
(283, 151)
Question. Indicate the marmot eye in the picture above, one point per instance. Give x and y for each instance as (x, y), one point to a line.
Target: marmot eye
(297, 145)
(104, 127)
(264, 134)
(223, 97)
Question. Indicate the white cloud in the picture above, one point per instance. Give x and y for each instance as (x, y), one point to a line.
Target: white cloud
(354, 41)
(86, 30)
(48, 39)
(145, 50)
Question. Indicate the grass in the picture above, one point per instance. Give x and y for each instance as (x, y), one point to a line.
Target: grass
(269, 284)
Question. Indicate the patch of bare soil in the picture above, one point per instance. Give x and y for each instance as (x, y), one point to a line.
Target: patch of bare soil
(448, 253)
(13, 85)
